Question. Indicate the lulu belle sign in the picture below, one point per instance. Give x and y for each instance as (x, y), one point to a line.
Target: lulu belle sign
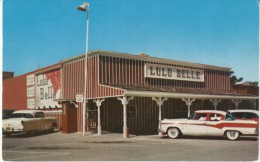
(174, 73)
(48, 88)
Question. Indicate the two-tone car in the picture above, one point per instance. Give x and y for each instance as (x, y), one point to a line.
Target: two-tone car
(209, 123)
(28, 121)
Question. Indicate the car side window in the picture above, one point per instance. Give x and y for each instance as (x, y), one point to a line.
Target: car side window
(250, 115)
(200, 116)
(229, 117)
(238, 115)
(215, 117)
(39, 115)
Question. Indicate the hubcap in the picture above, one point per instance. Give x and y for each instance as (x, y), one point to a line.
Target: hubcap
(173, 133)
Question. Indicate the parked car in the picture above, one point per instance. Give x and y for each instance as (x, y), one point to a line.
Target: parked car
(209, 123)
(245, 114)
(28, 121)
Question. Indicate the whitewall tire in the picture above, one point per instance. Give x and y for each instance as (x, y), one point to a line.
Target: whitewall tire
(232, 135)
(173, 132)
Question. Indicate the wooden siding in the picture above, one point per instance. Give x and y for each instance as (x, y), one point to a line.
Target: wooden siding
(73, 80)
(122, 71)
(146, 117)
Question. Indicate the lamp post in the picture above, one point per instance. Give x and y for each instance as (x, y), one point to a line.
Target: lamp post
(85, 8)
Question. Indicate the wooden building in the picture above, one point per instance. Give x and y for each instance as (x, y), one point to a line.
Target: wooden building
(131, 93)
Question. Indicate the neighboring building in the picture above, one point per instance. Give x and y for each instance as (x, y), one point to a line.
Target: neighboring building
(126, 93)
(7, 75)
(247, 88)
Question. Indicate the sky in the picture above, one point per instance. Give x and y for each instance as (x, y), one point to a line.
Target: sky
(39, 33)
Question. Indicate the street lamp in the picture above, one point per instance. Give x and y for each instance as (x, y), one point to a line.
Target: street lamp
(85, 7)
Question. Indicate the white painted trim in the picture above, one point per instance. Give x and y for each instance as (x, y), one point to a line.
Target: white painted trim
(184, 95)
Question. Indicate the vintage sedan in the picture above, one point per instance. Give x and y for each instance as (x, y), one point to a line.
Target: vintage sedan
(209, 123)
(245, 114)
(28, 121)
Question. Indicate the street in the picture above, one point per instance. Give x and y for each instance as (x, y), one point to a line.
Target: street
(113, 147)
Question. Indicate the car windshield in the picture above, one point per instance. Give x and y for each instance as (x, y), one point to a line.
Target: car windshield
(229, 116)
(22, 115)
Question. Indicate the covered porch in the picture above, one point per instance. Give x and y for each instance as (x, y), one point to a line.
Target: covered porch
(141, 111)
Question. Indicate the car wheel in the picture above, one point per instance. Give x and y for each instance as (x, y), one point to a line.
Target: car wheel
(173, 132)
(232, 135)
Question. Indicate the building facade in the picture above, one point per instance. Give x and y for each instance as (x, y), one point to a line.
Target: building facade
(129, 93)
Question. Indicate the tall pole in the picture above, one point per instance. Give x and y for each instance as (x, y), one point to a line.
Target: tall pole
(85, 7)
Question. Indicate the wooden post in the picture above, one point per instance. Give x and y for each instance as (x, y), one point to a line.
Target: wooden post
(236, 102)
(215, 102)
(125, 101)
(188, 102)
(159, 102)
(98, 103)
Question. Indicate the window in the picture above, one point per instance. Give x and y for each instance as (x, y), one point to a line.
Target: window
(39, 115)
(249, 115)
(22, 115)
(229, 117)
(215, 117)
(238, 115)
(200, 116)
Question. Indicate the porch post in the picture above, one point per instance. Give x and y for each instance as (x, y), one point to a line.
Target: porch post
(236, 102)
(98, 103)
(215, 102)
(159, 102)
(188, 102)
(125, 101)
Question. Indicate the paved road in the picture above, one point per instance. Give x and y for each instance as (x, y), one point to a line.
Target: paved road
(75, 147)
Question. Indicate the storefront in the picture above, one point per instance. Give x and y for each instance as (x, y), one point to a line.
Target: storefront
(132, 93)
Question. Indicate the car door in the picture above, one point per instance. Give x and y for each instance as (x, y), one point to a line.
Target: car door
(214, 123)
(196, 125)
